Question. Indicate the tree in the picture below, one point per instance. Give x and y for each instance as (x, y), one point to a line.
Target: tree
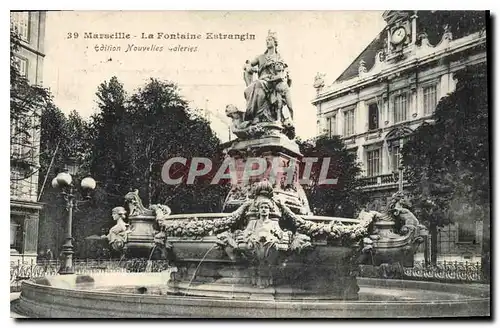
(109, 161)
(52, 134)
(27, 102)
(343, 198)
(133, 136)
(460, 23)
(62, 138)
(166, 127)
(448, 160)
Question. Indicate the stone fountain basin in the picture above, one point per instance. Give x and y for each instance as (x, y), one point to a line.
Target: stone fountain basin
(320, 273)
(140, 242)
(196, 249)
(118, 295)
(190, 249)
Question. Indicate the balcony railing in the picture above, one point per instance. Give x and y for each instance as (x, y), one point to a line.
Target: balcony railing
(382, 180)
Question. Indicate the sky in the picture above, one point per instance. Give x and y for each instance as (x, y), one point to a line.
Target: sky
(210, 77)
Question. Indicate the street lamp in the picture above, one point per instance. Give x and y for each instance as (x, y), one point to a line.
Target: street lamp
(64, 181)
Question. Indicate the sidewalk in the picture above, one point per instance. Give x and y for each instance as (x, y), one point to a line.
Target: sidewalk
(13, 314)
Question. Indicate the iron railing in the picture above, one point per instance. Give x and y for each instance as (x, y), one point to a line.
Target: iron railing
(445, 271)
(383, 179)
(24, 271)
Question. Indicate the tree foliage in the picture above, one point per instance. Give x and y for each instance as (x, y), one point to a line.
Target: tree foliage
(62, 138)
(27, 101)
(164, 127)
(460, 23)
(343, 198)
(123, 147)
(448, 160)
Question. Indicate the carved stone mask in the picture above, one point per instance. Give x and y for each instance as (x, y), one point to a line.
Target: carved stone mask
(264, 209)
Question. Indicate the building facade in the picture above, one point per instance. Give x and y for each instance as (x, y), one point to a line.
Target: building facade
(24, 205)
(390, 89)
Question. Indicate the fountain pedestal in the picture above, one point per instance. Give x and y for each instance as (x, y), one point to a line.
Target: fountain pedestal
(140, 241)
(282, 158)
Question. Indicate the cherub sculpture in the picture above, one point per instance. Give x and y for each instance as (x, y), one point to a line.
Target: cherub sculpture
(134, 203)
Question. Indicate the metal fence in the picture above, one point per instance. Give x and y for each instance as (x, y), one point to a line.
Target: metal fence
(22, 271)
(452, 272)
(445, 271)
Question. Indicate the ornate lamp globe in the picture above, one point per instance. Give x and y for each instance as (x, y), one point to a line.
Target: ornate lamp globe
(88, 183)
(55, 184)
(64, 179)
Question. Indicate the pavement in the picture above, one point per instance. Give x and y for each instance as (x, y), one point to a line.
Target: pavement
(13, 299)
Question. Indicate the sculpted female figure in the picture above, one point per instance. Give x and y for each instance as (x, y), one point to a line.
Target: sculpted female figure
(117, 235)
(267, 95)
(265, 226)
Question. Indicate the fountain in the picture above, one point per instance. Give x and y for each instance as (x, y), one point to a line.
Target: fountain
(266, 255)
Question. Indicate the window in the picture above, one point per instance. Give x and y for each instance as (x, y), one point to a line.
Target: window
(349, 122)
(430, 99)
(395, 159)
(373, 162)
(467, 232)
(400, 108)
(19, 22)
(331, 125)
(16, 232)
(22, 66)
(372, 116)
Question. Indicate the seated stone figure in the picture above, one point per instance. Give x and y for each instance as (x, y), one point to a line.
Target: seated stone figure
(117, 235)
(238, 124)
(134, 203)
(267, 95)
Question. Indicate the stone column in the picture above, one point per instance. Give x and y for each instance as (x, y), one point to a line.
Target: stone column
(420, 101)
(385, 158)
(444, 85)
(30, 229)
(386, 110)
(340, 122)
(321, 121)
(388, 39)
(414, 27)
(452, 83)
(414, 113)
(361, 118)
(361, 159)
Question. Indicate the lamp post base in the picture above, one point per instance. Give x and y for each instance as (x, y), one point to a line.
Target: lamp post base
(66, 270)
(67, 265)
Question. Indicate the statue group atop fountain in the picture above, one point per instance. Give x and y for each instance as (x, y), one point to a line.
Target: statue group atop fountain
(266, 97)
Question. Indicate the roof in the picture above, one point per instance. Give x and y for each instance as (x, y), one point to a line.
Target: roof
(368, 55)
(461, 24)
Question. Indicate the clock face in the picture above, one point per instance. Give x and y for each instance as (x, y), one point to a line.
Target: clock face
(398, 35)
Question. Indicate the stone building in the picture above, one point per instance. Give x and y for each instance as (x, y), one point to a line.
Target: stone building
(390, 89)
(24, 204)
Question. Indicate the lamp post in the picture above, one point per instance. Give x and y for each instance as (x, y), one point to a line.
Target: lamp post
(64, 181)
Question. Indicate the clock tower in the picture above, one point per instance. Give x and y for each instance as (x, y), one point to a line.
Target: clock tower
(401, 32)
